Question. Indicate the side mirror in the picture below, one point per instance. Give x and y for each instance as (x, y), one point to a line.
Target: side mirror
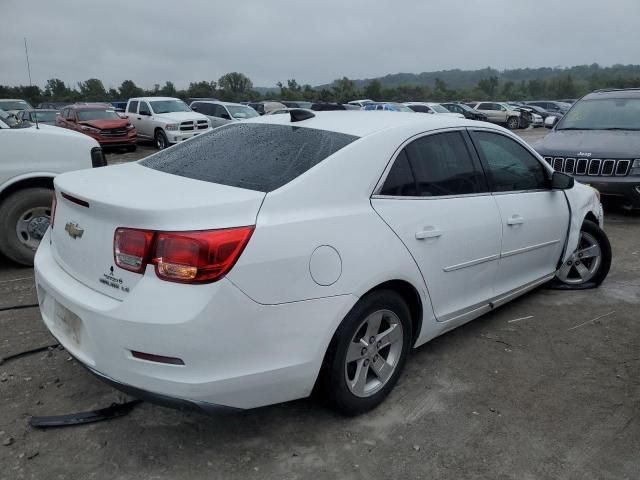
(561, 181)
(550, 121)
(226, 116)
(145, 113)
(195, 109)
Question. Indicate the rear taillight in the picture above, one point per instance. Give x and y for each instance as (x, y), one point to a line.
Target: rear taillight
(131, 248)
(185, 257)
(54, 204)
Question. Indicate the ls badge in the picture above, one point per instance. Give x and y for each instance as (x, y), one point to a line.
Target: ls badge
(74, 230)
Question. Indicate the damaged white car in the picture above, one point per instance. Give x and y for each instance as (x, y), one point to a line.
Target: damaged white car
(265, 258)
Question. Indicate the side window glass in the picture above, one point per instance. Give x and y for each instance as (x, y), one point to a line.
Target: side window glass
(144, 109)
(509, 164)
(400, 181)
(133, 107)
(484, 106)
(442, 165)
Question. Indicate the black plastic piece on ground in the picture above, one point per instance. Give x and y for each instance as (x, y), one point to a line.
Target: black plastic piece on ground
(558, 285)
(19, 307)
(114, 411)
(299, 114)
(27, 352)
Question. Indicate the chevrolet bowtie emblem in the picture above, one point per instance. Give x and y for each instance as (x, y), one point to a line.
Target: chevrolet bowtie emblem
(73, 230)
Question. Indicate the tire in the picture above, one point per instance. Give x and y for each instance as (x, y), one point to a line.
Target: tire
(338, 379)
(24, 218)
(590, 263)
(161, 140)
(513, 123)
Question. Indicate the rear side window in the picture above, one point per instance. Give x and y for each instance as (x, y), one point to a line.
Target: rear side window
(250, 155)
(133, 107)
(442, 165)
(400, 181)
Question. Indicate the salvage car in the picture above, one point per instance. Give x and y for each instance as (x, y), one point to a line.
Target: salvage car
(31, 157)
(500, 113)
(14, 105)
(432, 108)
(165, 120)
(465, 110)
(101, 123)
(598, 142)
(221, 113)
(47, 116)
(288, 253)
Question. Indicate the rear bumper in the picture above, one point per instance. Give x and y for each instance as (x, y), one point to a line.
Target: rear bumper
(236, 352)
(622, 189)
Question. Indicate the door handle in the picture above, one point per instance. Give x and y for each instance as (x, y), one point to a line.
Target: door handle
(428, 232)
(515, 220)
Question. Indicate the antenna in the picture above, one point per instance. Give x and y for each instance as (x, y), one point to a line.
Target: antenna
(26, 52)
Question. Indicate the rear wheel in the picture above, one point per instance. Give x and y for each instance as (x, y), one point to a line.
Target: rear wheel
(513, 123)
(24, 218)
(367, 353)
(589, 264)
(161, 140)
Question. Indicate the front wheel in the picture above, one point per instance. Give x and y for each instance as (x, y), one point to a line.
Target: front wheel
(161, 140)
(589, 264)
(367, 353)
(513, 123)
(24, 219)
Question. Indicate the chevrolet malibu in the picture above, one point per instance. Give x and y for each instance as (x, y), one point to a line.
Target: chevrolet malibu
(287, 253)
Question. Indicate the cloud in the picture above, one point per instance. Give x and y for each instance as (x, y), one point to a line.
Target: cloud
(153, 41)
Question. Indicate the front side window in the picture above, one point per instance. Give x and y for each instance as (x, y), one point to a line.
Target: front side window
(144, 109)
(440, 165)
(510, 166)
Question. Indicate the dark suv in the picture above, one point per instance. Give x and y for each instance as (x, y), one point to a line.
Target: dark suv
(598, 142)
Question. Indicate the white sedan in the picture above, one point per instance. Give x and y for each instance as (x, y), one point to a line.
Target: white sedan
(264, 258)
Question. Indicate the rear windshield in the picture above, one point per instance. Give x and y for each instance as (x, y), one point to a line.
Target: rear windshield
(250, 155)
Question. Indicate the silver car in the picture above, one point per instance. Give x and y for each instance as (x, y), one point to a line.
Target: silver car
(221, 113)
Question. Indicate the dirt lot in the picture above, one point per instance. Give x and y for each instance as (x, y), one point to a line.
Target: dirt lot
(545, 387)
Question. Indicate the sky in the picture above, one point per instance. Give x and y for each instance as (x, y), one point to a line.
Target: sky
(315, 42)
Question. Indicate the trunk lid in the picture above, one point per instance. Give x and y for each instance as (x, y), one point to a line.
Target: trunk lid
(134, 196)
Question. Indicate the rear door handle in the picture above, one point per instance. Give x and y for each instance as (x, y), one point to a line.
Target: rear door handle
(428, 232)
(515, 220)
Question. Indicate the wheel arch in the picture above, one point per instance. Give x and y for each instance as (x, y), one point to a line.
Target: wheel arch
(410, 295)
(591, 217)
(38, 180)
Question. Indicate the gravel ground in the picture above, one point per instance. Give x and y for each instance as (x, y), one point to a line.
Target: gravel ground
(547, 386)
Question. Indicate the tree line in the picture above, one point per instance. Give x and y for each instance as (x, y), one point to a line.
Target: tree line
(237, 87)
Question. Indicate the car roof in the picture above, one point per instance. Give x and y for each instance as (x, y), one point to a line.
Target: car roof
(91, 106)
(613, 93)
(362, 123)
(153, 98)
(217, 102)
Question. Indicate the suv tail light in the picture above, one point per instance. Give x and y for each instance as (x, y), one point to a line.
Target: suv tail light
(184, 257)
(54, 204)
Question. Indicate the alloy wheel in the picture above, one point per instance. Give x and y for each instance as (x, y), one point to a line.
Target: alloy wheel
(374, 353)
(583, 264)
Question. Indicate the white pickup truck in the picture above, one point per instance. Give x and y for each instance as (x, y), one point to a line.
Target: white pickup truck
(31, 157)
(165, 120)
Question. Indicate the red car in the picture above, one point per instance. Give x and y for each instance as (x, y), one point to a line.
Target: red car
(99, 122)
